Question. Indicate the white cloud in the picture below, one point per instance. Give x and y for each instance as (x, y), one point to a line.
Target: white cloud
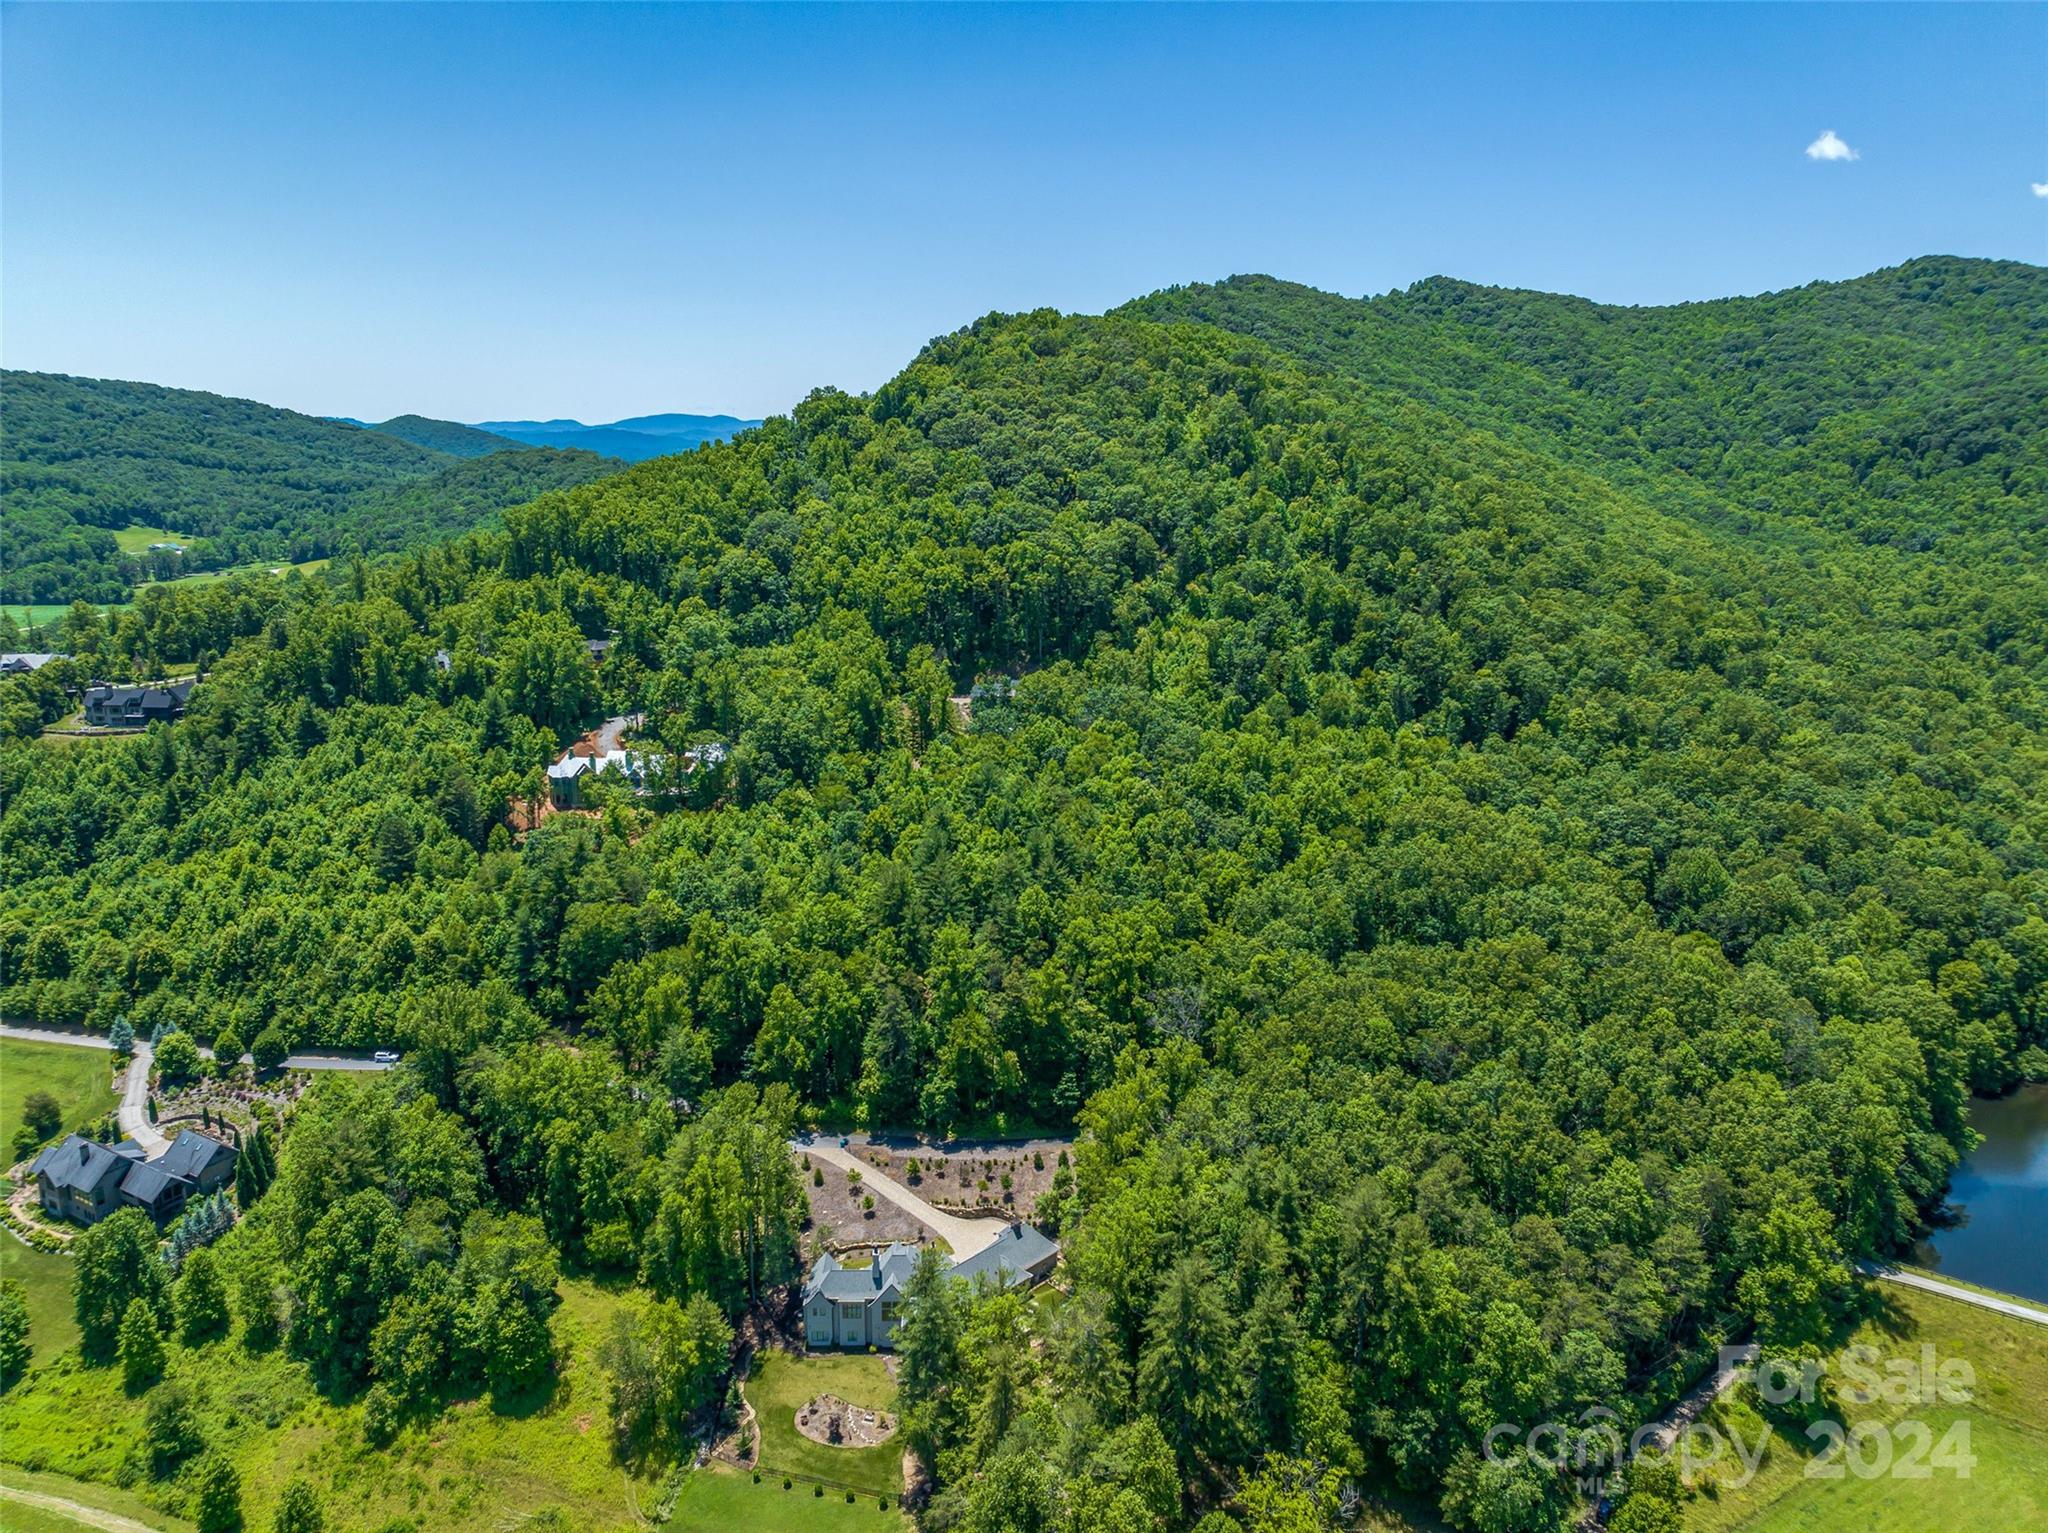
(1829, 146)
(2040, 188)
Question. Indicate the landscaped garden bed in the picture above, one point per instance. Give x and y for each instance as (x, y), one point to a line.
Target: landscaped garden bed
(839, 1423)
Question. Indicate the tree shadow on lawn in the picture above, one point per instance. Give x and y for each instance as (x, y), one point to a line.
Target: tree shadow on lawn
(1870, 1307)
(534, 1399)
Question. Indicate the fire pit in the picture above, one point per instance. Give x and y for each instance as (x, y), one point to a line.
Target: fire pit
(840, 1423)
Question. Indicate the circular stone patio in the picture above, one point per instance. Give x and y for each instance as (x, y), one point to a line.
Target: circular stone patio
(839, 1423)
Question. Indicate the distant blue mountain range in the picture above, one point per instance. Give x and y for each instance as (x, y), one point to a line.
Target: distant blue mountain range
(634, 439)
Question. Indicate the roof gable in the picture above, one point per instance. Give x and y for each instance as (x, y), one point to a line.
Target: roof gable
(147, 1180)
(1010, 1258)
(79, 1164)
(192, 1153)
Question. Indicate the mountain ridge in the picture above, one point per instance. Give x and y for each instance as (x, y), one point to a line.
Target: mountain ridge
(451, 437)
(1785, 404)
(635, 439)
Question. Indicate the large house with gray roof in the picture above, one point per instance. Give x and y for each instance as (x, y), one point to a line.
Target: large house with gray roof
(83, 1180)
(862, 1306)
(116, 707)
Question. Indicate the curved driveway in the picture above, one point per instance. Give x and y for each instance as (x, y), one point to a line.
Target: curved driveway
(133, 1113)
(965, 1236)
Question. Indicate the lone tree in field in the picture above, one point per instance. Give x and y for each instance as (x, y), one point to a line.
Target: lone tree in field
(298, 1509)
(202, 1296)
(41, 1112)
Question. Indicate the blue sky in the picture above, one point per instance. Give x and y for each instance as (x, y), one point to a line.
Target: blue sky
(480, 212)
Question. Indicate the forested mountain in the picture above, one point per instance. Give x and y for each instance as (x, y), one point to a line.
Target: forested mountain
(636, 439)
(1501, 925)
(1902, 407)
(445, 436)
(469, 492)
(83, 458)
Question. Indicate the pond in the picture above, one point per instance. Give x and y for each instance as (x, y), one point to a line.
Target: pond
(2000, 1239)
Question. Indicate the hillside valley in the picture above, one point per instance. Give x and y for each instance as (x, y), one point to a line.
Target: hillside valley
(227, 482)
(1488, 840)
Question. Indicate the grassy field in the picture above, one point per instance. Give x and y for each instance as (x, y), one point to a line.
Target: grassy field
(135, 538)
(36, 614)
(29, 1519)
(32, 614)
(261, 567)
(82, 1081)
(718, 1499)
(104, 1498)
(47, 1278)
(781, 1382)
(469, 1468)
(16, 1517)
(2006, 1417)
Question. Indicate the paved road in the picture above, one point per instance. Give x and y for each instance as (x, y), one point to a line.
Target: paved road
(28, 1032)
(965, 1236)
(2013, 1307)
(322, 1060)
(917, 1144)
(133, 1113)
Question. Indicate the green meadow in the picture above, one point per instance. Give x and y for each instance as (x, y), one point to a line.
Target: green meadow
(470, 1469)
(46, 1278)
(2005, 1423)
(136, 538)
(82, 1081)
(719, 1499)
(25, 1496)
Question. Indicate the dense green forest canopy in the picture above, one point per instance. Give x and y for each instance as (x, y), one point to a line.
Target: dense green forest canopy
(1499, 923)
(1902, 407)
(235, 481)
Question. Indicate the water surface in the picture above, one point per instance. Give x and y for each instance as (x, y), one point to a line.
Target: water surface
(2001, 1237)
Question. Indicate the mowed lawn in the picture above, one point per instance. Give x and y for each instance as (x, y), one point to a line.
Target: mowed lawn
(37, 614)
(720, 1499)
(2007, 1420)
(782, 1381)
(82, 1081)
(46, 1277)
(135, 538)
(260, 567)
